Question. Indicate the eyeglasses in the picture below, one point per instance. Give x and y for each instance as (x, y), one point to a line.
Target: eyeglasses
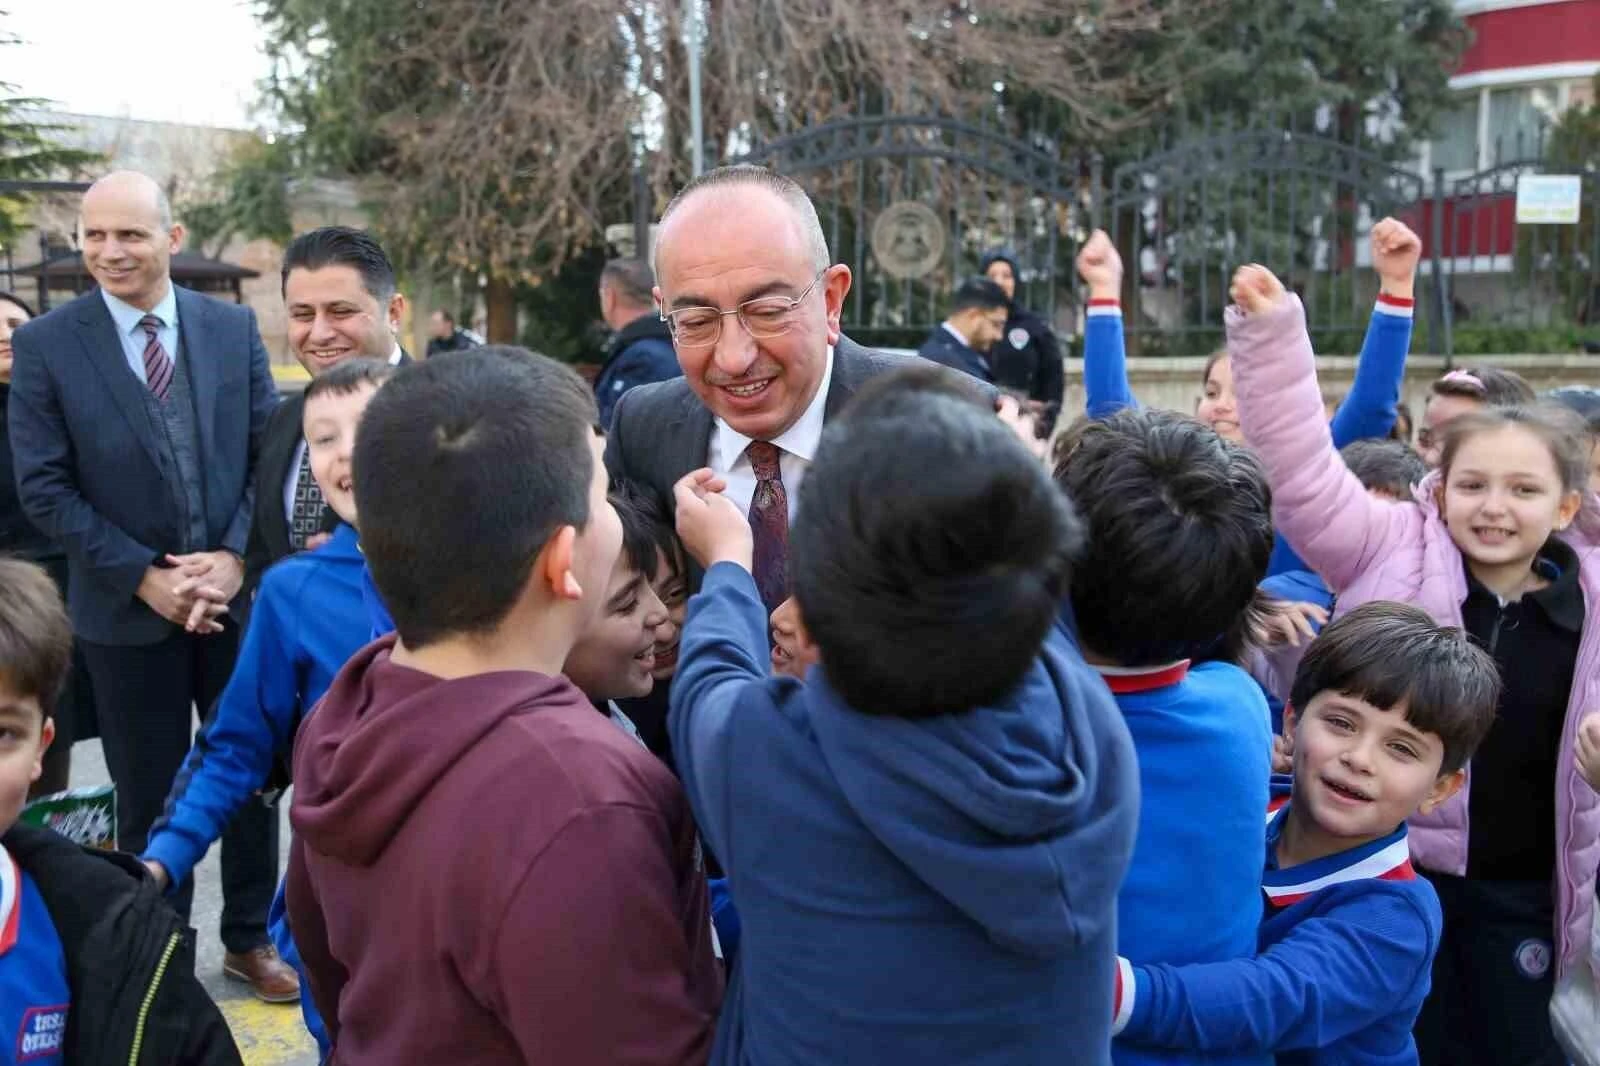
(768, 316)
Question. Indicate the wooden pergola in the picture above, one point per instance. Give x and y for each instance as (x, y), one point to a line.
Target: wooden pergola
(65, 272)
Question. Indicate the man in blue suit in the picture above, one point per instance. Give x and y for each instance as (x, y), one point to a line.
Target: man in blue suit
(964, 339)
(136, 413)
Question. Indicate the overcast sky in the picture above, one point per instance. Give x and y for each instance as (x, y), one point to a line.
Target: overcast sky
(191, 61)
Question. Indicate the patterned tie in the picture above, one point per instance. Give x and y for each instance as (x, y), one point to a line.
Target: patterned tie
(769, 522)
(157, 363)
(309, 506)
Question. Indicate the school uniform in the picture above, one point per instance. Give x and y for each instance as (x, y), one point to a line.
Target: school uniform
(1346, 945)
(1192, 894)
(94, 966)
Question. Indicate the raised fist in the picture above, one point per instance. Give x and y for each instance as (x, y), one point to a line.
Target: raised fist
(1100, 265)
(1395, 253)
(1256, 289)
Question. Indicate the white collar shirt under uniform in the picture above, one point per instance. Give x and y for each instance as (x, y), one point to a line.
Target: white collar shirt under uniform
(797, 446)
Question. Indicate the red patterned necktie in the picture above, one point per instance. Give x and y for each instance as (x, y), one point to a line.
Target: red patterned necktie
(157, 363)
(769, 523)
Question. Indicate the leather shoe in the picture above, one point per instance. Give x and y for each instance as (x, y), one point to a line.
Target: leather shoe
(272, 980)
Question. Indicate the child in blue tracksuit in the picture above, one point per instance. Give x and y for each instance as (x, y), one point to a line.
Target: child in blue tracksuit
(1367, 411)
(1387, 708)
(1179, 531)
(925, 836)
(308, 618)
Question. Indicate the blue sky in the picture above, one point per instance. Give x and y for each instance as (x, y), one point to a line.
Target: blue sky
(193, 61)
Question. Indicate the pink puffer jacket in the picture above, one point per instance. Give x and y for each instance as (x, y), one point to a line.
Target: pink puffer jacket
(1368, 549)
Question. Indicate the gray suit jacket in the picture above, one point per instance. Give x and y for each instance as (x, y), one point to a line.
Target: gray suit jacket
(662, 431)
(89, 467)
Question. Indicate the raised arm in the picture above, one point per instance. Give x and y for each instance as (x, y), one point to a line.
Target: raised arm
(1317, 504)
(1105, 361)
(1369, 409)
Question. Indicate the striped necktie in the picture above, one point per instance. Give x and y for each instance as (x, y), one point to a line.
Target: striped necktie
(157, 363)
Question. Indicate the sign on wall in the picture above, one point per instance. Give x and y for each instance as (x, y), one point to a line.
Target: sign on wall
(1549, 199)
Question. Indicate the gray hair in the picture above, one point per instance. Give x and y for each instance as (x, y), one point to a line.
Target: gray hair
(786, 189)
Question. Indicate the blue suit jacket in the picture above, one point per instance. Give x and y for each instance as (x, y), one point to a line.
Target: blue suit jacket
(88, 463)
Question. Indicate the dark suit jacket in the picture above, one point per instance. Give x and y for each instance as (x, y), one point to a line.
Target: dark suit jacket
(945, 348)
(88, 461)
(269, 526)
(662, 431)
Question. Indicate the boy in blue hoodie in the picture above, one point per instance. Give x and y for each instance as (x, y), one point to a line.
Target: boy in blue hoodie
(1179, 532)
(926, 835)
(1387, 708)
(308, 618)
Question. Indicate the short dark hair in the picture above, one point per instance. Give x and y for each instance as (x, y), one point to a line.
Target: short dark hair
(35, 635)
(1559, 428)
(1390, 654)
(1486, 384)
(444, 314)
(633, 280)
(13, 298)
(1180, 531)
(486, 453)
(348, 376)
(343, 246)
(1582, 401)
(653, 527)
(978, 293)
(927, 597)
(1384, 465)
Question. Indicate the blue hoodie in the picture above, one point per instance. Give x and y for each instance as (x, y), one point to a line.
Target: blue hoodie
(911, 891)
(307, 619)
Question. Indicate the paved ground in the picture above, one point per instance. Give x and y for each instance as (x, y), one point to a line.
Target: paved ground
(267, 1035)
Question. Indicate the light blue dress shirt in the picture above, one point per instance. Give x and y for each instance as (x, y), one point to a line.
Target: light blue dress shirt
(127, 318)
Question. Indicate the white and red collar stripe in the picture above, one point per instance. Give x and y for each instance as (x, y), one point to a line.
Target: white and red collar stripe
(1122, 680)
(1385, 859)
(10, 900)
(1396, 305)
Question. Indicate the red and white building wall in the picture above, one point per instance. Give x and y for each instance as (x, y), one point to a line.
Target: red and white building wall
(1528, 61)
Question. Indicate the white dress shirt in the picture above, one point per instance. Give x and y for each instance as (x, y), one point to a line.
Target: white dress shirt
(797, 446)
(127, 317)
(300, 451)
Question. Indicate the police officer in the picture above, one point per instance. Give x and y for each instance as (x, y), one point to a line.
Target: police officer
(1026, 359)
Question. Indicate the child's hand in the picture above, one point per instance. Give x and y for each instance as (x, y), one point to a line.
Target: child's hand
(710, 526)
(1100, 266)
(1287, 621)
(1282, 755)
(1256, 289)
(1395, 253)
(1588, 750)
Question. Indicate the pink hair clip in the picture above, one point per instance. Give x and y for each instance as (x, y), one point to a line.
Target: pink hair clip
(1465, 377)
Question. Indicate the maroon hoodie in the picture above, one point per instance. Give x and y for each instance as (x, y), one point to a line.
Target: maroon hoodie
(487, 871)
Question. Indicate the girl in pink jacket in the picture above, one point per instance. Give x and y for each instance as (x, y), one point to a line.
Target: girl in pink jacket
(1503, 541)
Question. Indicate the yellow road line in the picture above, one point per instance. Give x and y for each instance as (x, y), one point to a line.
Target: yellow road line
(269, 1034)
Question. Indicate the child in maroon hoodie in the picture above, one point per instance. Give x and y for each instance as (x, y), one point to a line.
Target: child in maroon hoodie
(484, 870)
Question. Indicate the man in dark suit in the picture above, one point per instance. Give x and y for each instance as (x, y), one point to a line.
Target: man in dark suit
(964, 340)
(339, 288)
(753, 302)
(136, 416)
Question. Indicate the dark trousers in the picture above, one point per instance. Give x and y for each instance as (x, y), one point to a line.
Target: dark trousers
(1493, 976)
(145, 698)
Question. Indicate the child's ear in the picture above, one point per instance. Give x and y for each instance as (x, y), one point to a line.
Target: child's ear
(1446, 786)
(553, 568)
(47, 736)
(1570, 504)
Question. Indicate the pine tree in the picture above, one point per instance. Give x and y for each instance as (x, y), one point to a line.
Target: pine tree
(29, 152)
